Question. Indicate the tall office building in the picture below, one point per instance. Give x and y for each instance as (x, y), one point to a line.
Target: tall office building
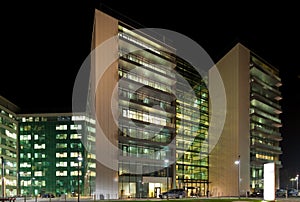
(149, 137)
(251, 133)
(50, 145)
(8, 147)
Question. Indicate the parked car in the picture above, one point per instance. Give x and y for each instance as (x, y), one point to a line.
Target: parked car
(48, 195)
(281, 193)
(173, 193)
(292, 192)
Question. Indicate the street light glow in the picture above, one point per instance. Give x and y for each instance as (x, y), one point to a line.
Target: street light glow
(167, 168)
(297, 178)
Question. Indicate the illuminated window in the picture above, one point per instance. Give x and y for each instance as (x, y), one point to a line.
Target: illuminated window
(61, 164)
(61, 155)
(25, 165)
(76, 127)
(75, 136)
(61, 145)
(91, 129)
(75, 154)
(61, 127)
(75, 145)
(61, 136)
(78, 118)
(62, 173)
(25, 137)
(73, 164)
(39, 155)
(10, 134)
(75, 173)
(27, 128)
(37, 146)
(38, 173)
(92, 165)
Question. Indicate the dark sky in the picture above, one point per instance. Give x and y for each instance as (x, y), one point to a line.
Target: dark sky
(44, 43)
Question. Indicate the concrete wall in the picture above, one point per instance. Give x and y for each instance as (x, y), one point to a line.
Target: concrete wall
(234, 140)
(105, 80)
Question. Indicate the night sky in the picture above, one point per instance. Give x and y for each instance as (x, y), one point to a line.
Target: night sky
(44, 44)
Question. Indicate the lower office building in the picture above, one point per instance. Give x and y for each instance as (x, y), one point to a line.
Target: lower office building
(8, 147)
(251, 133)
(55, 154)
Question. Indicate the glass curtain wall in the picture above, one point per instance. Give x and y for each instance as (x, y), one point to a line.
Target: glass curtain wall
(192, 122)
(146, 114)
(265, 122)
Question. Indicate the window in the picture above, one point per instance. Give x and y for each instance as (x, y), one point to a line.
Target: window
(75, 136)
(75, 145)
(62, 173)
(38, 173)
(61, 136)
(76, 127)
(61, 127)
(61, 155)
(41, 146)
(61, 164)
(61, 145)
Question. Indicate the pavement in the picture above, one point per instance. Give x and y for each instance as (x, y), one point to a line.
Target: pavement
(75, 199)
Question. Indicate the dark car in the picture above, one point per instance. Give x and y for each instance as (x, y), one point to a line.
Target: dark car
(281, 193)
(292, 192)
(48, 195)
(173, 193)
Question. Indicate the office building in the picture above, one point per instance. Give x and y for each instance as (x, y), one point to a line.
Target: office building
(147, 127)
(8, 147)
(251, 133)
(143, 131)
(50, 145)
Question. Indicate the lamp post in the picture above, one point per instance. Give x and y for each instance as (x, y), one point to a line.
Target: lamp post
(167, 167)
(238, 162)
(78, 178)
(297, 178)
(2, 176)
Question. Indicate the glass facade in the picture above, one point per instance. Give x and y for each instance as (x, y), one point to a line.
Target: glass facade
(49, 147)
(265, 122)
(163, 129)
(147, 115)
(192, 122)
(8, 149)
